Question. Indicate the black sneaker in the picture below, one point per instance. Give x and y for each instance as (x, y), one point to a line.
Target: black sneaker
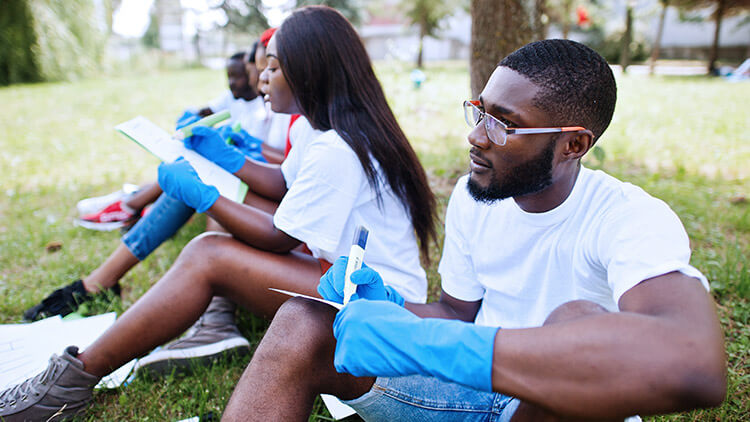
(62, 301)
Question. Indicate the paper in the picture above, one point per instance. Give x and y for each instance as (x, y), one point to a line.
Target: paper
(336, 408)
(25, 349)
(160, 143)
(327, 302)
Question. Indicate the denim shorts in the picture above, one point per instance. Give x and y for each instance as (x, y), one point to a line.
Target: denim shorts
(162, 220)
(419, 398)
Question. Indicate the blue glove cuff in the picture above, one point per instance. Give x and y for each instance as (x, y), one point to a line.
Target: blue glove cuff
(208, 198)
(471, 347)
(393, 296)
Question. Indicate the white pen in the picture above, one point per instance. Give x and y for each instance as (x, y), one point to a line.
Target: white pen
(356, 254)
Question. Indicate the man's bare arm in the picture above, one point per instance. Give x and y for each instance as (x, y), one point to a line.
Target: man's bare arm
(448, 307)
(662, 353)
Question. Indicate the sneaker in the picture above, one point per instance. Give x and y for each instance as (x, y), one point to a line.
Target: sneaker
(62, 390)
(97, 203)
(62, 301)
(112, 217)
(214, 335)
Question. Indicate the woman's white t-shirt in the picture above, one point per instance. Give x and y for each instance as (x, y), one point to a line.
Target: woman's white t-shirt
(329, 196)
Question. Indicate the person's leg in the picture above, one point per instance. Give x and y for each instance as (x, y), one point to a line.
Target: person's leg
(211, 264)
(291, 366)
(565, 312)
(166, 217)
(145, 195)
(294, 363)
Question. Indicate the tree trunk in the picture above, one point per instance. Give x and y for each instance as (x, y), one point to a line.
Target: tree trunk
(715, 46)
(627, 38)
(567, 10)
(659, 34)
(421, 46)
(497, 29)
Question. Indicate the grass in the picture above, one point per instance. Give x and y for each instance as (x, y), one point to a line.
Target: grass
(684, 140)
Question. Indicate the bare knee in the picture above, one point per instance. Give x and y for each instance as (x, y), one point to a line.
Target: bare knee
(573, 310)
(205, 248)
(300, 332)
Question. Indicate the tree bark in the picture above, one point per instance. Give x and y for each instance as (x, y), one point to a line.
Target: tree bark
(420, 56)
(627, 38)
(659, 34)
(497, 29)
(715, 46)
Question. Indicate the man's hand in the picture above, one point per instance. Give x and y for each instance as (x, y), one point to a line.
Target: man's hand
(179, 180)
(208, 143)
(380, 338)
(369, 284)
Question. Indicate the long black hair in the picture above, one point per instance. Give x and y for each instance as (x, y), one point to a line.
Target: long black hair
(331, 76)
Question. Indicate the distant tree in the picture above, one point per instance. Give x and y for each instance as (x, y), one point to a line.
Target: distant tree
(627, 36)
(48, 40)
(110, 6)
(659, 33)
(722, 8)
(499, 27)
(426, 15)
(150, 38)
(351, 9)
(17, 37)
(246, 16)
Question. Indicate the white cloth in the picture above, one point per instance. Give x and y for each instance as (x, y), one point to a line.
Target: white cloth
(605, 238)
(329, 196)
(251, 115)
(277, 129)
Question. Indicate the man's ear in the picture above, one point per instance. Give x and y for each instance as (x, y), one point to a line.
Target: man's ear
(577, 144)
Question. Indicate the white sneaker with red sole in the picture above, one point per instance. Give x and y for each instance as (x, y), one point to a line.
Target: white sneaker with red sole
(112, 217)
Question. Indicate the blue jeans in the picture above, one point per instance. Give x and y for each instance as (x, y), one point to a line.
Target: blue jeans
(419, 398)
(162, 221)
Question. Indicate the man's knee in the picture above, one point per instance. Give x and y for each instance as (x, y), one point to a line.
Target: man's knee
(573, 310)
(301, 327)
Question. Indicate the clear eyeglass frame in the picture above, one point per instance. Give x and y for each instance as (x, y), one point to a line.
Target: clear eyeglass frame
(497, 131)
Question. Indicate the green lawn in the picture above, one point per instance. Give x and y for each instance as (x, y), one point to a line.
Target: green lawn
(683, 139)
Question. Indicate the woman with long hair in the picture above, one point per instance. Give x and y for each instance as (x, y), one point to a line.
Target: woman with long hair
(355, 168)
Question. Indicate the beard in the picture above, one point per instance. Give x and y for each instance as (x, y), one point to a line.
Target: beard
(525, 178)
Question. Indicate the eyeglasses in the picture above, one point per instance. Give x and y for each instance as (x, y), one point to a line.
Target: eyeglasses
(498, 131)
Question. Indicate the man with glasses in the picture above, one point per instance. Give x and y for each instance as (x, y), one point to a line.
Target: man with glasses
(566, 293)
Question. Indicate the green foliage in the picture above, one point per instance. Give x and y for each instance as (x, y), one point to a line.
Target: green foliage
(351, 9)
(244, 16)
(51, 39)
(427, 14)
(610, 46)
(17, 63)
(150, 38)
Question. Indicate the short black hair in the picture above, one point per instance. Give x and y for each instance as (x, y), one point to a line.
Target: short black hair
(251, 53)
(240, 55)
(577, 87)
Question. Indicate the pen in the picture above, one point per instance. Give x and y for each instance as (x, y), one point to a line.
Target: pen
(356, 253)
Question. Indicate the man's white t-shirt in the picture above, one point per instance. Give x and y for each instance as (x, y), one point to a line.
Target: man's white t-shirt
(605, 238)
(329, 196)
(251, 115)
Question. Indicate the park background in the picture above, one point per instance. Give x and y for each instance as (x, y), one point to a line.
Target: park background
(679, 132)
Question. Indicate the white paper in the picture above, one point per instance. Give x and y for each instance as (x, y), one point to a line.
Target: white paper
(317, 299)
(160, 143)
(336, 408)
(25, 349)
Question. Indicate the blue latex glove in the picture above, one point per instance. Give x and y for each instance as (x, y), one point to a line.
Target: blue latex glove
(179, 180)
(208, 143)
(379, 338)
(249, 145)
(369, 284)
(187, 118)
